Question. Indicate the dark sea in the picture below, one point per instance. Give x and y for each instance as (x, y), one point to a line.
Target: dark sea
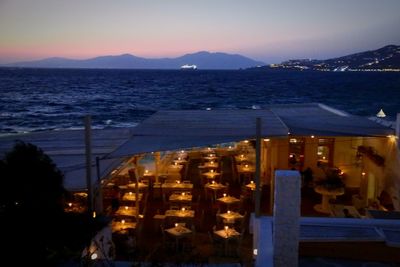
(50, 99)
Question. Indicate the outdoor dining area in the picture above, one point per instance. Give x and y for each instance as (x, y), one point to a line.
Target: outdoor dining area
(198, 201)
(183, 201)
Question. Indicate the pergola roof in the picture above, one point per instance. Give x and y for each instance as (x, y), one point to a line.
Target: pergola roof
(177, 129)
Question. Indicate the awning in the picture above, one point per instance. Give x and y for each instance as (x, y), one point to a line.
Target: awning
(179, 129)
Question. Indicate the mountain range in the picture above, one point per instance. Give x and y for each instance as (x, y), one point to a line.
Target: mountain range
(386, 58)
(203, 60)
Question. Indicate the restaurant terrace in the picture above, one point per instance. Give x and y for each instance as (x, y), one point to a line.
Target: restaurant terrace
(208, 186)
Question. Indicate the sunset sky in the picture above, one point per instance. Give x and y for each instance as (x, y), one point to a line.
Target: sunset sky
(266, 30)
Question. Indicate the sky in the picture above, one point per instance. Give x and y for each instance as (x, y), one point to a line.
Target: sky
(266, 30)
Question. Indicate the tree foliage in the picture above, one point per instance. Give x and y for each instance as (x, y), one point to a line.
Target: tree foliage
(34, 226)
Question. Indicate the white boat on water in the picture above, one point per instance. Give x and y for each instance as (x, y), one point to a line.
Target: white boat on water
(188, 67)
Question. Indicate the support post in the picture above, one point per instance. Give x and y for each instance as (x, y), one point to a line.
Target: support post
(286, 219)
(98, 196)
(157, 157)
(398, 130)
(88, 151)
(258, 167)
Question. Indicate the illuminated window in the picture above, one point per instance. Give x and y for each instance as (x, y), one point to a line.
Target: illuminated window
(296, 153)
(325, 151)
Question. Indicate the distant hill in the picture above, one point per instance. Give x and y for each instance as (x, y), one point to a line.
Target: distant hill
(384, 59)
(203, 60)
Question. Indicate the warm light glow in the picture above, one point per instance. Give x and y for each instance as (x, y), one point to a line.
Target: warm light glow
(246, 166)
(212, 162)
(208, 148)
(182, 151)
(70, 204)
(252, 182)
(183, 193)
(176, 225)
(126, 207)
(255, 252)
(230, 147)
(341, 173)
(146, 171)
(363, 173)
(267, 139)
(246, 141)
(93, 256)
(226, 227)
(392, 138)
(123, 221)
(212, 170)
(94, 214)
(130, 193)
(183, 209)
(213, 182)
(179, 158)
(242, 156)
(229, 211)
(178, 182)
(175, 163)
(224, 195)
(312, 136)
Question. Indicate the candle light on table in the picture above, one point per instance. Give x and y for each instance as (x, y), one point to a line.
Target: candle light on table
(224, 194)
(70, 204)
(176, 225)
(126, 207)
